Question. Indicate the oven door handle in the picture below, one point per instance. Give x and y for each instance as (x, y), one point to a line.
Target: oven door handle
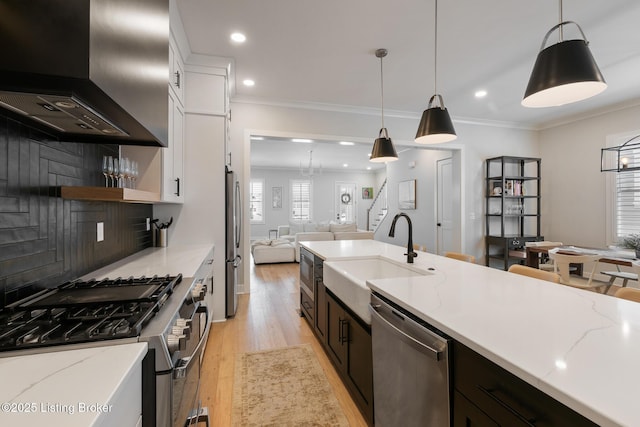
(182, 365)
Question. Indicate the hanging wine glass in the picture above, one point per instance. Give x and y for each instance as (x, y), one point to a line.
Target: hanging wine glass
(110, 169)
(105, 169)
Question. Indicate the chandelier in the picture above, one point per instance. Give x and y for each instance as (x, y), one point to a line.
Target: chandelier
(310, 171)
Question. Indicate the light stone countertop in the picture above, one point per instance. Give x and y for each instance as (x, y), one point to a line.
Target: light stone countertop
(171, 260)
(581, 348)
(71, 388)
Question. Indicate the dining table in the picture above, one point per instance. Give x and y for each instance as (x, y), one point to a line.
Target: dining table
(609, 256)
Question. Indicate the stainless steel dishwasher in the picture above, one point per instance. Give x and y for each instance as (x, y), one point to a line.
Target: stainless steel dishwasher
(410, 369)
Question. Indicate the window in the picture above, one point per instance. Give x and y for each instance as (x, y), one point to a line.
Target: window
(256, 201)
(627, 201)
(301, 200)
(623, 194)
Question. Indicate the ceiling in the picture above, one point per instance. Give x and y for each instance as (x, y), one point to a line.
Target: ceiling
(322, 52)
(271, 152)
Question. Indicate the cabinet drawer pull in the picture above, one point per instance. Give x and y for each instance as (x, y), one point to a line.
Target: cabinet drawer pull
(177, 193)
(528, 419)
(177, 74)
(343, 335)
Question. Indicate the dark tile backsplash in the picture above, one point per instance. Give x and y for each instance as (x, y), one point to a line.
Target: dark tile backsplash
(45, 240)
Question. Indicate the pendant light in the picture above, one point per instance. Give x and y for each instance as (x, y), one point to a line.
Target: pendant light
(435, 125)
(383, 149)
(564, 72)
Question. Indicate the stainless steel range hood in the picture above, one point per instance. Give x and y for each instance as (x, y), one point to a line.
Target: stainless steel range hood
(87, 71)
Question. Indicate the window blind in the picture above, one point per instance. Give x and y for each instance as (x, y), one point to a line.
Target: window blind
(300, 200)
(256, 201)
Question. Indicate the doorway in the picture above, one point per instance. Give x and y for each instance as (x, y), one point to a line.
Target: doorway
(345, 202)
(444, 215)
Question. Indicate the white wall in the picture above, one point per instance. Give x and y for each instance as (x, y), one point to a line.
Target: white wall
(323, 193)
(423, 217)
(574, 207)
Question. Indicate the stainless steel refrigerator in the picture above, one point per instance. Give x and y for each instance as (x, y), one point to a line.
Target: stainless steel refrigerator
(233, 224)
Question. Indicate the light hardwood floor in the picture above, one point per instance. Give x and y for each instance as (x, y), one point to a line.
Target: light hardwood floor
(267, 318)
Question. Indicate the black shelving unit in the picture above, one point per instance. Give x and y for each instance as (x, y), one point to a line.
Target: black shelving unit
(512, 208)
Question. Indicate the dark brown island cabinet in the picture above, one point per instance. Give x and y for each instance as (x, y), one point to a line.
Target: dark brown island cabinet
(345, 338)
(485, 395)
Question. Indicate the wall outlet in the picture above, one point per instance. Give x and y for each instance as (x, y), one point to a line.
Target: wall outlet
(148, 224)
(100, 232)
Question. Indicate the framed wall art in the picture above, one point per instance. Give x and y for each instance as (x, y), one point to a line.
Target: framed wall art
(276, 197)
(367, 192)
(407, 194)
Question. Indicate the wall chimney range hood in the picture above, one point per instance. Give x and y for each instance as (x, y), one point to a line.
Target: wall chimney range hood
(87, 71)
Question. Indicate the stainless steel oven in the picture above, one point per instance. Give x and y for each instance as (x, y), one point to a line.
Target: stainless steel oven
(187, 408)
(177, 339)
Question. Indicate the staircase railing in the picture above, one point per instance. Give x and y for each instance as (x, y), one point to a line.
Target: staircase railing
(379, 208)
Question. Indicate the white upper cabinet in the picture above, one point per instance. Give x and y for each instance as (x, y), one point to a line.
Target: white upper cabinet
(207, 91)
(173, 184)
(162, 169)
(176, 71)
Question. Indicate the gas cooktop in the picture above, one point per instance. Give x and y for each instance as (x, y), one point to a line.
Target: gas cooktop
(84, 311)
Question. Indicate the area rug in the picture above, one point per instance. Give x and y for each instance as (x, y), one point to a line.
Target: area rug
(283, 387)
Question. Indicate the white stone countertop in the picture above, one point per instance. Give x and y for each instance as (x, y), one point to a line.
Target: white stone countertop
(581, 348)
(66, 388)
(171, 260)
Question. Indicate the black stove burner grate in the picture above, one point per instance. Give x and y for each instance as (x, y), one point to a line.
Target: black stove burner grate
(83, 311)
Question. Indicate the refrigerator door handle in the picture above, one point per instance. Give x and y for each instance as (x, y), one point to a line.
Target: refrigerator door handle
(238, 201)
(237, 261)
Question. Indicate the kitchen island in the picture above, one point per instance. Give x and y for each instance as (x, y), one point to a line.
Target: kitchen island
(578, 347)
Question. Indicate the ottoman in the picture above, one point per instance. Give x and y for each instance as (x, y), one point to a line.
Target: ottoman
(272, 251)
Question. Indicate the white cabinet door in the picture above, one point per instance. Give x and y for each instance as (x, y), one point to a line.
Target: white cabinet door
(173, 155)
(176, 71)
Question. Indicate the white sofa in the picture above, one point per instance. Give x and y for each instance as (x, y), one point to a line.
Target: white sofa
(319, 232)
(272, 251)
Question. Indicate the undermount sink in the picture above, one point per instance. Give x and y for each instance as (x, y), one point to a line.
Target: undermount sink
(348, 280)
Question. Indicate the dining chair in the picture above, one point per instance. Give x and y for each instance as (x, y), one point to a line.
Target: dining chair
(631, 294)
(524, 270)
(544, 262)
(561, 266)
(461, 257)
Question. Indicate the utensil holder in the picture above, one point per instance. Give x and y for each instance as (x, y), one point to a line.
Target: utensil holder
(161, 237)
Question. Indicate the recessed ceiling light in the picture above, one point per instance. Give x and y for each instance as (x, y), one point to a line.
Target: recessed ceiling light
(238, 37)
(303, 140)
(346, 143)
(248, 82)
(345, 165)
(368, 168)
(368, 154)
(481, 93)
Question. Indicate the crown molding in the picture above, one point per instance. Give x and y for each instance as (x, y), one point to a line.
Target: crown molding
(369, 111)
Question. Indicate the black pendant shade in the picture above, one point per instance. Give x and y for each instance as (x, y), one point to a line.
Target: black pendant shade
(563, 73)
(383, 149)
(435, 125)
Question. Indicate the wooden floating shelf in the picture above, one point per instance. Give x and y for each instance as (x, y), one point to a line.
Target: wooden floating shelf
(109, 194)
